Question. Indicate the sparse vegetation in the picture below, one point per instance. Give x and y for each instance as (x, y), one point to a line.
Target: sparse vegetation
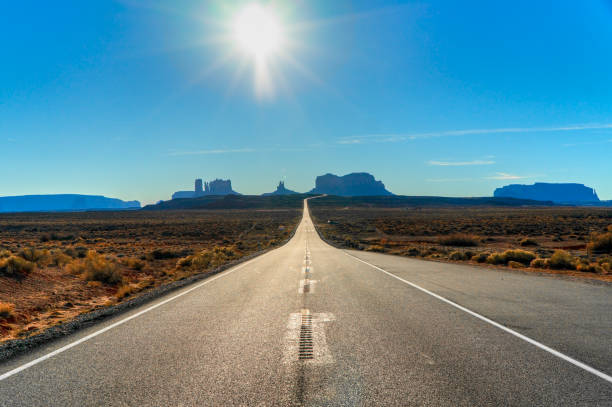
(528, 242)
(98, 268)
(35, 255)
(15, 266)
(134, 264)
(124, 291)
(459, 239)
(480, 257)
(539, 263)
(6, 310)
(601, 243)
(562, 260)
(93, 259)
(499, 236)
(457, 256)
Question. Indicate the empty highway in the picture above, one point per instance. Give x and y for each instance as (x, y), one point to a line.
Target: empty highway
(309, 324)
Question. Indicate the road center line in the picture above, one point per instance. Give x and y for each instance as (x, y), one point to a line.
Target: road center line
(121, 322)
(548, 349)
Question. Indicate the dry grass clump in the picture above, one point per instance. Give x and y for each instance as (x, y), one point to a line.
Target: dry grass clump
(591, 268)
(78, 252)
(47, 237)
(58, 258)
(15, 266)
(459, 239)
(134, 264)
(209, 258)
(95, 267)
(31, 254)
(518, 256)
(539, 263)
(561, 260)
(376, 248)
(528, 242)
(163, 254)
(457, 256)
(480, 257)
(124, 291)
(601, 243)
(6, 310)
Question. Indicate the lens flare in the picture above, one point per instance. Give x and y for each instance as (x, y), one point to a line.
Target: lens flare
(258, 31)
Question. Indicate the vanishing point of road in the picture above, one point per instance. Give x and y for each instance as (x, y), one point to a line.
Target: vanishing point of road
(309, 324)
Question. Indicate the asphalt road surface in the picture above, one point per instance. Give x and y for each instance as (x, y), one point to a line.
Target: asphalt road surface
(308, 324)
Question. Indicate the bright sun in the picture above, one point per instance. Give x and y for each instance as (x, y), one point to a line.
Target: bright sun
(258, 31)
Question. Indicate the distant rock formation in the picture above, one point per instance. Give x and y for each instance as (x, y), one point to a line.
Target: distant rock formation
(541, 191)
(62, 202)
(355, 184)
(280, 190)
(216, 187)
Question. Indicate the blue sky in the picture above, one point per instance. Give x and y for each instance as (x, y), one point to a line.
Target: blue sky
(135, 99)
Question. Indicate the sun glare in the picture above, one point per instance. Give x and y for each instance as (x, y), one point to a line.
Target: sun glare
(258, 31)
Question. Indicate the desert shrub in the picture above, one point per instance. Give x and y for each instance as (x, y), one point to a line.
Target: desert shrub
(96, 267)
(459, 239)
(601, 243)
(59, 259)
(15, 266)
(515, 264)
(376, 248)
(6, 310)
(497, 258)
(528, 242)
(352, 243)
(539, 263)
(521, 256)
(413, 252)
(34, 255)
(79, 252)
(124, 291)
(161, 254)
(208, 258)
(184, 262)
(456, 256)
(590, 268)
(480, 257)
(54, 236)
(562, 260)
(134, 264)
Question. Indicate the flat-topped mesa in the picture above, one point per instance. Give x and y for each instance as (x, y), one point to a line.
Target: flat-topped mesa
(541, 191)
(280, 190)
(63, 202)
(215, 187)
(355, 184)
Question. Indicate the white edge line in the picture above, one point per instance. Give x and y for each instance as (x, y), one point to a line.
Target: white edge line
(123, 321)
(558, 354)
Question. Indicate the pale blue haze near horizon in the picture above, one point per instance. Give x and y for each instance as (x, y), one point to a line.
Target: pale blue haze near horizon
(135, 99)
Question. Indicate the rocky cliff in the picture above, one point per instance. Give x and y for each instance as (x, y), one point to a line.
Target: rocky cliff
(540, 191)
(280, 190)
(216, 187)
(355, 184)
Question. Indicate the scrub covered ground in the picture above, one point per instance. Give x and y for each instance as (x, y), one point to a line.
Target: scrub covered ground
(55, 266)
